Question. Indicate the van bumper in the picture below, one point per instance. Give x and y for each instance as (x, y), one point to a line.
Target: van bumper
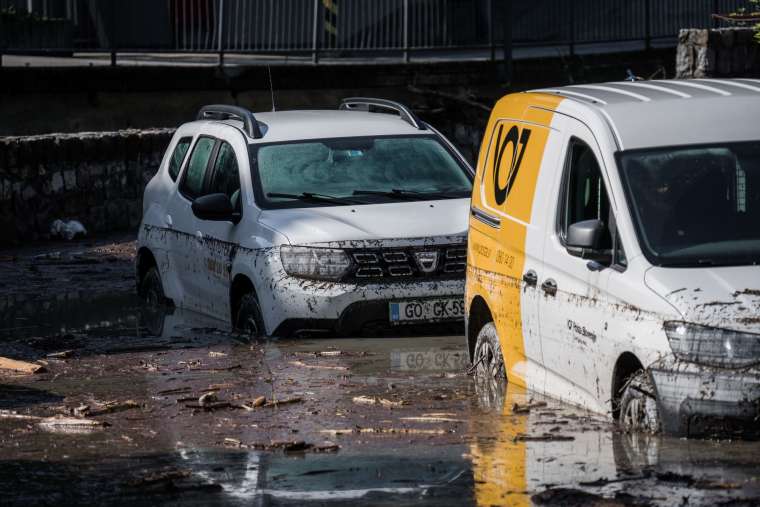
(705, 401)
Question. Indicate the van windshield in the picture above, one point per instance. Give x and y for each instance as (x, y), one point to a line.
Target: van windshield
(696, 206)
(359, 170)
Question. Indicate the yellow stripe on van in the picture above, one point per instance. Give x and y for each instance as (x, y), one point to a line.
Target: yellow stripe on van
(508, 166)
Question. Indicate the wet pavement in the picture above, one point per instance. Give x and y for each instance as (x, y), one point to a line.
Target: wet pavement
(185, 411)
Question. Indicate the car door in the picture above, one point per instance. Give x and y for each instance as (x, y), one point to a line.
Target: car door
(219, 240)
(569, 308)
(183, 225)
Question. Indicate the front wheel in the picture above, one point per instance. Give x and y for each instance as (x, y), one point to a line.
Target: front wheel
(488, 368)
(638, 405)
(249, 319)
(151, 289)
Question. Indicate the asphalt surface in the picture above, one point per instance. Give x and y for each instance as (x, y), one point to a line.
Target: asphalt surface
(181, 410)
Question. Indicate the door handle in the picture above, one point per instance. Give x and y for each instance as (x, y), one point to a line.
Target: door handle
(549, 287)
(199, 235)
(169, 221)
(530, 278)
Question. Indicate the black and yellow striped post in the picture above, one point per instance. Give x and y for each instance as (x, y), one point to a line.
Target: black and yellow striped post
(331, 23)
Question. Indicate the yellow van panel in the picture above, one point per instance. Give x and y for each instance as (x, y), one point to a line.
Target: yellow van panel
(508, 167)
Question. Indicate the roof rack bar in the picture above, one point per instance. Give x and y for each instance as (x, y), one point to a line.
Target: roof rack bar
(365, 104)
(220, 112)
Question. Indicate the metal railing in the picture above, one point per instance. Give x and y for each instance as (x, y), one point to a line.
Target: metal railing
(343, 28)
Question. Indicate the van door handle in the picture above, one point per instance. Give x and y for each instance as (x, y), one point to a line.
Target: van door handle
(549, 287)
(530, 278)
(199, 235)
(169, 221)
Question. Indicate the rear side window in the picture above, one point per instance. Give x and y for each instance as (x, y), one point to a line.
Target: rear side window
(178, 156)
(192, 183)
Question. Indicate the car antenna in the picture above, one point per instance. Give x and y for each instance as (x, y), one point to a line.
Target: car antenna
(271, 87)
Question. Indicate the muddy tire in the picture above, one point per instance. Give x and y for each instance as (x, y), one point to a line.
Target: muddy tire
(638, 406)
(151, 289)
(488, 368)
(249, 319)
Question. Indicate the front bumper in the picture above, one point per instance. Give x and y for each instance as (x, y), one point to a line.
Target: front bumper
(704, 401)
(295, 305)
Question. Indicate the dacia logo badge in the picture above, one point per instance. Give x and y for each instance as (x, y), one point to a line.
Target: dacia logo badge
(427, 261)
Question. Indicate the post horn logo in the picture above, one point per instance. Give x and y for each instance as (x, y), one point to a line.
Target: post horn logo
(519, 142)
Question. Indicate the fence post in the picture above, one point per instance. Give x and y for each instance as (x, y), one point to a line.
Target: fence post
(220, 45)
(315, 34)
(648, 24)
(508, 41)
(406, 31)
(491, 20)
(572, 28)
(715, 9)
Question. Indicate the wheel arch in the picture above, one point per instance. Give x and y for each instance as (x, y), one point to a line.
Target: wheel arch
(144, 260)
(479, 315)
(240, 286)
(626, 365)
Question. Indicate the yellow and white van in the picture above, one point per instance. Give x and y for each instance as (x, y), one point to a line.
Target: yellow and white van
(614, 250)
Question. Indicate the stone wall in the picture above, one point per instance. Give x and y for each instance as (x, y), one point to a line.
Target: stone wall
(96, 178)
(724, 52)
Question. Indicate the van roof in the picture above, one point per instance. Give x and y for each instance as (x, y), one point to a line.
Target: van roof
(646, 114)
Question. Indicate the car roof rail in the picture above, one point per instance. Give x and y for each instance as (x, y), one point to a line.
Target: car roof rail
(219, 112)
(366, 104)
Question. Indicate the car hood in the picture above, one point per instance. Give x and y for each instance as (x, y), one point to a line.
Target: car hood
(392, 221)
(727, 297)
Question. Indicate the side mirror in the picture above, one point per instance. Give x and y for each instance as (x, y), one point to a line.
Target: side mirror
(215, 207)
(584, 240)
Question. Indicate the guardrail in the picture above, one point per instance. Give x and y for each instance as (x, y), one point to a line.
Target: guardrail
(313, 29)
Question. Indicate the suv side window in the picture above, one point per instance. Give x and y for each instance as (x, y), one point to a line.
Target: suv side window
(584, 196)
(192, 182)
(226, 179)
(178, 156)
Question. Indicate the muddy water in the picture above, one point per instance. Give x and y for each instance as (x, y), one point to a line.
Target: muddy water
(387, 421)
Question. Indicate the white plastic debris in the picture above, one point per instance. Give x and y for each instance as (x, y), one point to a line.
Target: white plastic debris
(67, 229)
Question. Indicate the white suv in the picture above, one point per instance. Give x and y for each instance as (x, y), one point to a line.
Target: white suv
(303, 221)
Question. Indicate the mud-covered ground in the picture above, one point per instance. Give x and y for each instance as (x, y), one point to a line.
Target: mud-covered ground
(181, 410)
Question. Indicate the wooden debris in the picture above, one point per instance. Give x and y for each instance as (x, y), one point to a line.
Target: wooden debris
(114, 406)
(277, 403)
(369, 400)
(214, 353)
(20, 366)
(408, 431)
(64, 354)
(424, 419)
(11, 414)
(258, 401)
(318, 366)
(232, 442)
(70, 424)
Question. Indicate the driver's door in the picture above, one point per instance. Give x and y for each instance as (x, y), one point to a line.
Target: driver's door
(571, 323)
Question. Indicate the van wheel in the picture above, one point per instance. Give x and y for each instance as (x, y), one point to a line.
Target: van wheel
(638, 405)
(151, 290)
(249, 319)
(488, 368)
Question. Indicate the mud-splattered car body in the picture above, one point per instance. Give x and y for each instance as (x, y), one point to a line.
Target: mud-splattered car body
(363, 248)
(611, 232)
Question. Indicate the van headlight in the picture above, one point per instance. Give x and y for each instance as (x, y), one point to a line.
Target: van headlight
(315, 263)
(712, 346)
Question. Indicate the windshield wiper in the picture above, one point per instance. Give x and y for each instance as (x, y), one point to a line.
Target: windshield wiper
(397, 193)
(315, 197)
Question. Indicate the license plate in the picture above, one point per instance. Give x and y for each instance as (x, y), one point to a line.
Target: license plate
(426, 310)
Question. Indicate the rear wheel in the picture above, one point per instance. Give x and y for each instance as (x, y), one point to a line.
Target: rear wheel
(489, 370)
(151, 290)
(638, 405)
(249, 318)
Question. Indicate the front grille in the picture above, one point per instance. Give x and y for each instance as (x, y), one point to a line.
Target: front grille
(431, 262)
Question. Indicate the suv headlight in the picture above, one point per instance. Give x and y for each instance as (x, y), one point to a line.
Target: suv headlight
(314, 263)
(712, 346)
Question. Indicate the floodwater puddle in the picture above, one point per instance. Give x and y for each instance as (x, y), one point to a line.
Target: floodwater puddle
(189, 412)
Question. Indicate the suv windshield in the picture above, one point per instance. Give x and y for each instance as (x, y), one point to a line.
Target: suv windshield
(358, 170)
(696, 206)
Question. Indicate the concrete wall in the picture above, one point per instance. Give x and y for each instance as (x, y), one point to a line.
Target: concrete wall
(96, 178)
(725, 52)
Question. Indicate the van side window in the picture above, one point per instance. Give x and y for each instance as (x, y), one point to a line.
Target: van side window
(226, 179)
(584, 196)
(178, 156)
(192, 182)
